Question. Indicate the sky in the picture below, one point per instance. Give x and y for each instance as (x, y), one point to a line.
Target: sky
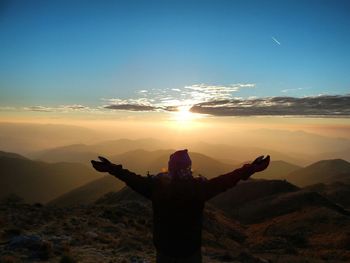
(184, 59)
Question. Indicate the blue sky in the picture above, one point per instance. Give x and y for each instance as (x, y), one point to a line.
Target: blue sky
(77, 52)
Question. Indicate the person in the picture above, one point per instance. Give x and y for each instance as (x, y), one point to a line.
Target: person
(178, 200)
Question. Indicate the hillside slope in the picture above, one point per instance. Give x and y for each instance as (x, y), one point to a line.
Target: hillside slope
(259, 200)
(90, 192)
(325, 171)
(338, 192)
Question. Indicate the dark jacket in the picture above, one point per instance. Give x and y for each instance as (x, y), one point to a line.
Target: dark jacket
(178, 206)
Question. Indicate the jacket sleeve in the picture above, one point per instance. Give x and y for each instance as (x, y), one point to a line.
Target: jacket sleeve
(140, 184)
(224, 182)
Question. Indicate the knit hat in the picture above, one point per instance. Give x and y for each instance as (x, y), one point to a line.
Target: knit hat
(179, 160)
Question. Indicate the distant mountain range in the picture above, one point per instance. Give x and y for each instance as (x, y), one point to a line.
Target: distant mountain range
(277, 170)
(28, 137)
(231, 154)
(84, 153)
(36, 181)
(301, 144)
(240, 154)
(142, 161)
(325, 171)
(75, 183)
(69, 182)
(139, 161)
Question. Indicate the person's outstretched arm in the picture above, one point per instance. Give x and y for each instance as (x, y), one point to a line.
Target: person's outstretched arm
(224, 182)
(140, 184)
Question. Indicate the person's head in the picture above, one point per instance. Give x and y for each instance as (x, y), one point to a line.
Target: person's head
(180, 164)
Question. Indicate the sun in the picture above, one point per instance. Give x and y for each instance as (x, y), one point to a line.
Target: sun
(183, 114)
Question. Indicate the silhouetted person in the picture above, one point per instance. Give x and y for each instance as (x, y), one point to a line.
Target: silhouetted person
(178, 201)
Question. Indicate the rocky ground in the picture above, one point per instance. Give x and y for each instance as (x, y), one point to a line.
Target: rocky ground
(104, 233)
(115, 230)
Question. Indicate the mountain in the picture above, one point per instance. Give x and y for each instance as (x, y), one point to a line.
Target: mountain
(231, 153)
(326, 171)
(28, 137)
(309, 234)
(201, 164)
(84, 153)
(277, 170)
(248, 191)
(259, 200)
(273, 206)
(337, 192)
(244, 153)
(11, 155)
(80, 153)
(39, 181)
(113, 147)
(139, 161)
(300, 144)
(142, 161)
(339, 154)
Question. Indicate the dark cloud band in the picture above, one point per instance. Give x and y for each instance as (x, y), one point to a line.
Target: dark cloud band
(325, 105)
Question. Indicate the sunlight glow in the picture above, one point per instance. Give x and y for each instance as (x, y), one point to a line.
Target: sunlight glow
(184, 114)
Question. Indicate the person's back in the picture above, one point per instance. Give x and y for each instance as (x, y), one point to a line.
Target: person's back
(177, 214)
(178, 201)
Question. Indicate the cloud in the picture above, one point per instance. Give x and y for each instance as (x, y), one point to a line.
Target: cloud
(172, 99)
(139, 104)
(325, 105)
(74, 107)
(139, 101)
(219, 102)
(60, 108)
(39, 108)
(204, 92)
(7, 108)
(130, 107)
(291, 90)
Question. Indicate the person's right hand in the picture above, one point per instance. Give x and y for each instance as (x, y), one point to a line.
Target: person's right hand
(260, 163)
(104, 165)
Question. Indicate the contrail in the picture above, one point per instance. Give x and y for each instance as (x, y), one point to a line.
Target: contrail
(276, 41)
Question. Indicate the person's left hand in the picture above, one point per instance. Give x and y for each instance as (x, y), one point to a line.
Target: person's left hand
(104, 165)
